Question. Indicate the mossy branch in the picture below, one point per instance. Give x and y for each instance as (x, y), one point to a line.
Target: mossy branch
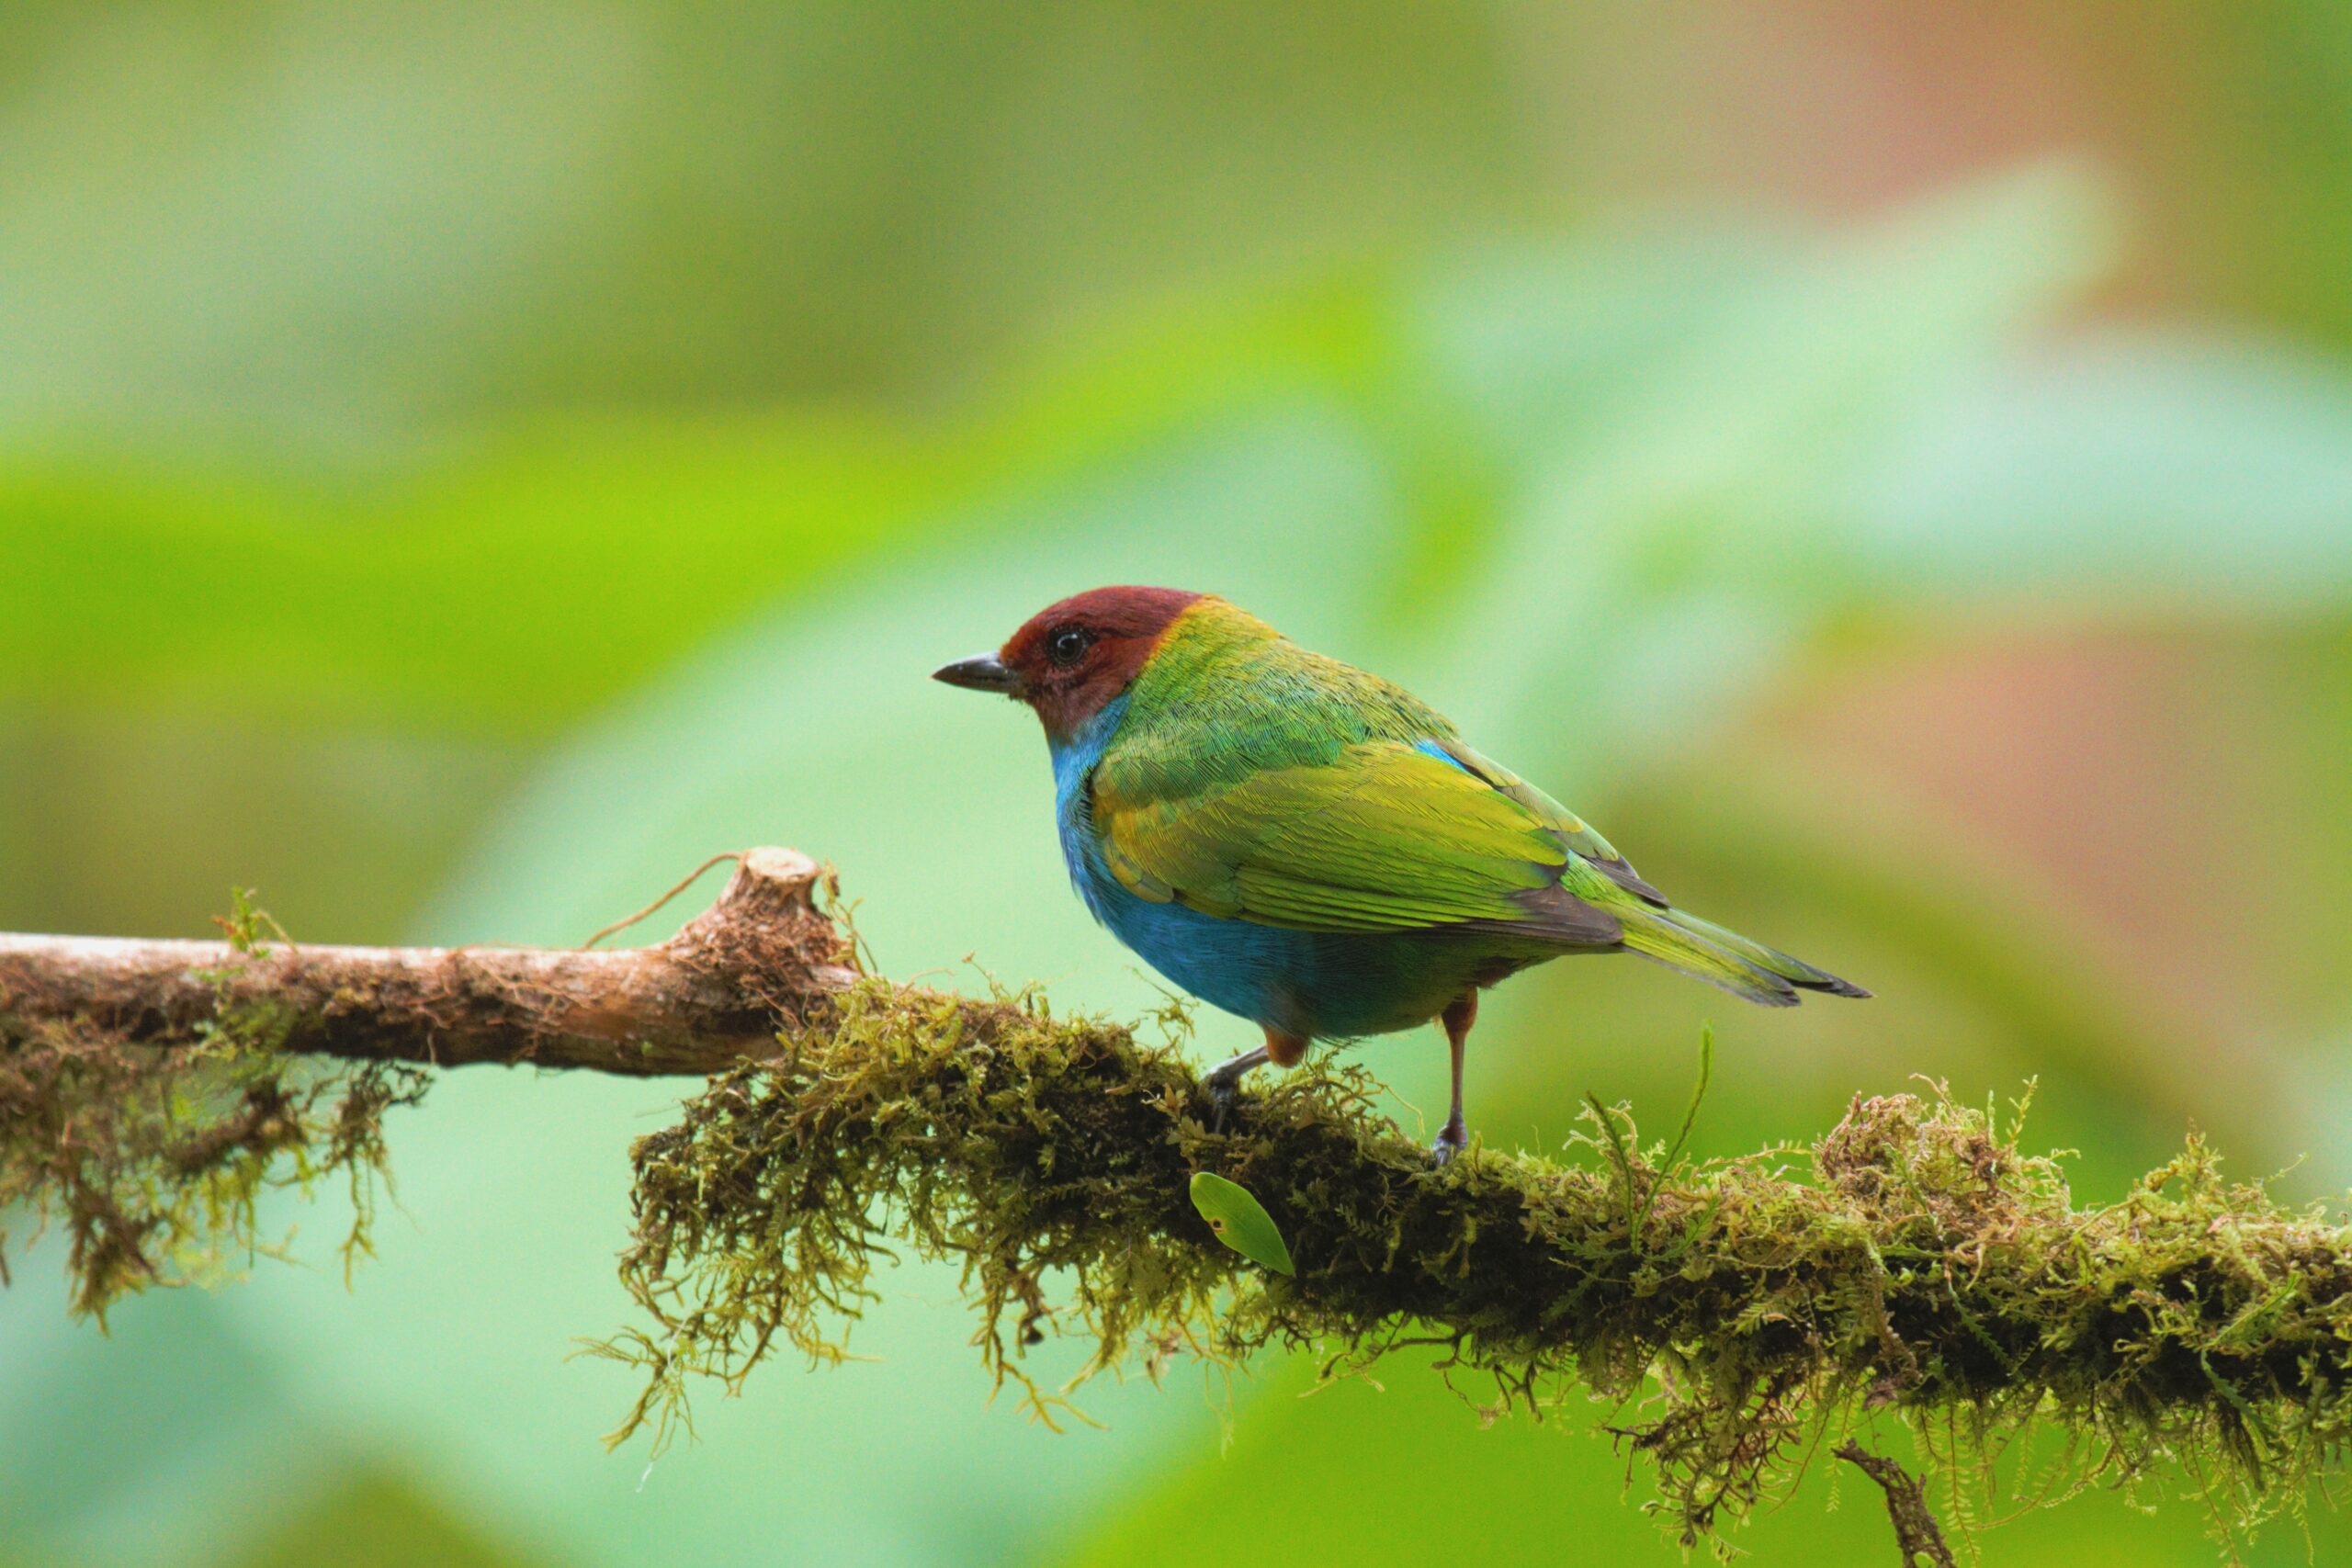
(150, 1091)
(1914, 1265)
(1915, 1268)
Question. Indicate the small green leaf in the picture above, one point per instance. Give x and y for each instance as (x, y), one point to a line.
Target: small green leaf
(1240, 1222)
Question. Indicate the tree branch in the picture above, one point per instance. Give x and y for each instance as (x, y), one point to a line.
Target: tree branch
(1918, 1538)
(1922, 1268)
(695, 1004)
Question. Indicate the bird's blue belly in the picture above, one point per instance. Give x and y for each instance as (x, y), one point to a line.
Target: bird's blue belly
(1320, 985)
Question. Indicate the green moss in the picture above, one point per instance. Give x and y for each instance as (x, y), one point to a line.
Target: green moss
(153, 1159)
(1735, 1313)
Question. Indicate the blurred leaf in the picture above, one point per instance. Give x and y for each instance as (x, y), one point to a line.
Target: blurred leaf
(272, 225)
(373, 1517)
(108, 1443)
(2152, 471)
(513, 588)
(1671, 536)
(542, 571)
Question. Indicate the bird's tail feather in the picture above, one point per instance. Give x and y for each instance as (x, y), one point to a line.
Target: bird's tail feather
(1707, 952)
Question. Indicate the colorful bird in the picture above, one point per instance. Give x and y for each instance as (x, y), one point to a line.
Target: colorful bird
(1304, 844)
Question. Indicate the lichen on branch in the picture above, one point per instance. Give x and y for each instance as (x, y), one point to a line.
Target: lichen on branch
(1914, 1265)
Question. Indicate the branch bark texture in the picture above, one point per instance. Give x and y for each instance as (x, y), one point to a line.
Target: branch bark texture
(759, 957)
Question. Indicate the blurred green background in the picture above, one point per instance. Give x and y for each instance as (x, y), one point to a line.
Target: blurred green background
(462, 463)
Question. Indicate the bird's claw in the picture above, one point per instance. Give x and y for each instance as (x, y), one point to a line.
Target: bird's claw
(1451, 1141)
(1222, 1091)
(1223, 1082)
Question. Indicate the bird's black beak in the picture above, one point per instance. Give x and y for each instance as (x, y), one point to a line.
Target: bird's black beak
(982, 673)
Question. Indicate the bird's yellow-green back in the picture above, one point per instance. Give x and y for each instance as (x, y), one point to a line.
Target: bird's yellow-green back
(1225, 695)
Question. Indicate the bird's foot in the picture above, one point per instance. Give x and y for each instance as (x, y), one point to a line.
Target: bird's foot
(1452, 1139)
(1221, 1092)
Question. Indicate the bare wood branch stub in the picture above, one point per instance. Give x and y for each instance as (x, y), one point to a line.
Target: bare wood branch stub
(762, 955)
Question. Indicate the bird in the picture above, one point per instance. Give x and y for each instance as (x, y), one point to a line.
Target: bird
(1314, 848)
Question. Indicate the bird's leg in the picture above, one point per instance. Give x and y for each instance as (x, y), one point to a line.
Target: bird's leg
(1224, 1079)
(1454, 1137)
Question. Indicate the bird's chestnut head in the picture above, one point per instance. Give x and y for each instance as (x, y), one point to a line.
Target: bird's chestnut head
(1072, 658)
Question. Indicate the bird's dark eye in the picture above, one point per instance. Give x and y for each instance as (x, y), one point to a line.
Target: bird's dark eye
(1068, 645)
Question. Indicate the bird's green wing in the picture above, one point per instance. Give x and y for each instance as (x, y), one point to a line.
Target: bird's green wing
(1386, 836)
(1574, 831)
